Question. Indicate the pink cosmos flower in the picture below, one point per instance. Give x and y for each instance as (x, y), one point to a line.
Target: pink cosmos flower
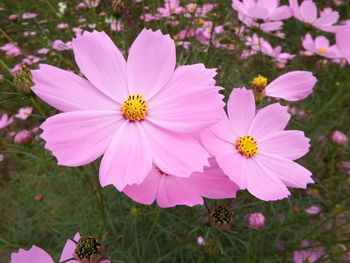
(343, 41)
(29, 15)
(43, 51)
(38, 255)
(170, 7)
(256, 220)
(339, 138)
(266, 27)
(10, 49)
(254, 150)
(313, 210)
(308, 255)
(307, 13)
(60, 45)
(262, 9)
(171, 190)
(5, 121)
(320, 46)
(62, 26)
(23, 113)
(135, 113)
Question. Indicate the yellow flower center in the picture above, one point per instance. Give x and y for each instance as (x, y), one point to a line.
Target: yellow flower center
(200, 21)
(259, 83)
(172, 9)
(246, 145)
(322, 50)
(257, 42)
(134, 108)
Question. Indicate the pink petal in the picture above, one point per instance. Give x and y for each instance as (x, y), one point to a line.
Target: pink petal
(67, 91)
(327, 19)
(272, 118)
(295, 9)
(173, 191)
(308, 11)
(281, 13)
(241, 110)
(102, 63)
(151, 63)
(215, 144)
(262, 183)
(189, 102)
(292, 86)
(321, 42)
(308, 43)
(145, 193)
(175, 153)
(343, 41)
(212, 183)
(224, 130)
(287, 144)
(258, 12)
(128, 159)
(33, 255)
(79, 137)
(239, 7)
(69, 248)
(269, 5)
(289, 172)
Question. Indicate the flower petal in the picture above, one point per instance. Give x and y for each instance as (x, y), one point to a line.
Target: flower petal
(292, 86)
(68, 92)
(269, 119)
(281, 13)
(145, 193)
(216, 145)
(173, 191)
(289, 172)
(175, 153)
(151, 63)
(241, 110)
(128, 159)
(69, 248)
(102, 63)
(308, 11)
(33, 255)
(79, 137)
(212, 183)
(262, 183)
(343, 41)
(287, 144)
(189, 102)
(327, 19)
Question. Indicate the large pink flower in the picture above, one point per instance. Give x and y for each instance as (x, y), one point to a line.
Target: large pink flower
(254, 150)
(262, 9)
(135, 113)
(307, 13)
(171, 190)
(38, 255)
(343, 41)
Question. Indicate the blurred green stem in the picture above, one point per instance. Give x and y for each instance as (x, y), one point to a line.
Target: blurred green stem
(38, 106)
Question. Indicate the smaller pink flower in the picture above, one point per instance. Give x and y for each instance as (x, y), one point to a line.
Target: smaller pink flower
(201, 241)
(308, 255)
(10, 49)
(5, 121)
(23, 113)
(307, 13)
(60, 45)
(80, 6)
(313, 210)
(320, 46)
(262, 9)
(170, 7)
(13, 17)
(265, 27)
(62, 26)
(171, 190)
(23, 137)
(29, 15)
(256, 220)
(339, 138)
(43, 51)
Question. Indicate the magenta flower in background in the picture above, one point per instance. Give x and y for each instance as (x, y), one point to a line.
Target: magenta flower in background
(307, 13)
(131, 112)
(5, 121)
(343, 41)
(10, 49)
(170, 7)
(268, 10)
(60, 45)
(255, 151)
(23, 113)
(29, 15)
(38, 255)
(308, 255)
(313, 210)
(171, 190)
(339, 138)
(320, 46)
(256, 220)
(266, 26)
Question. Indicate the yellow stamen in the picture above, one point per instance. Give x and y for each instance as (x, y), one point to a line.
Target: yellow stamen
(247, 146)
(322, 50)
(200, 21)
(259, 83)
(134, 108)
(172, 9)
(257, 42)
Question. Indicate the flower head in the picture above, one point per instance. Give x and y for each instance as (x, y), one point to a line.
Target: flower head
(221, 217)
(321, 47)
(255, 151)
(131, 112)
(256, 220)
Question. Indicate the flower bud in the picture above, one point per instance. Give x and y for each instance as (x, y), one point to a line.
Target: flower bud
(89, 249)
(339, 138)
(23, 137)
(256, 220)
(23, 80)
(13, 17)
(221, 217)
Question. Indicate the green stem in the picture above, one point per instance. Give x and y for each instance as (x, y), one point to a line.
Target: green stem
(155, 221)
(3, 64)
(38, 107)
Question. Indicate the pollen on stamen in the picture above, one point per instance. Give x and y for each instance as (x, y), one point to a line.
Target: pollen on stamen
(247, 146)
(134, 108)
(322, 50)
(259, 83)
